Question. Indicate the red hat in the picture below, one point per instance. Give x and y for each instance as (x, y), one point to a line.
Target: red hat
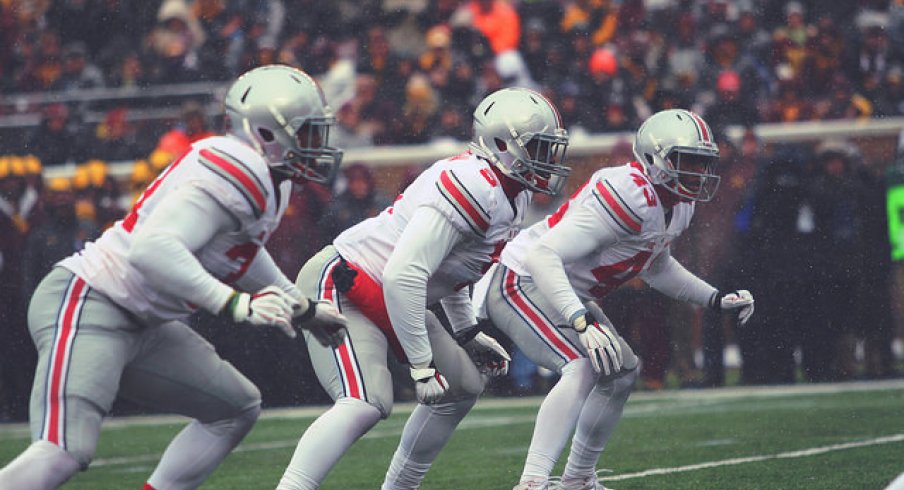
(603, 61)
(728, 81)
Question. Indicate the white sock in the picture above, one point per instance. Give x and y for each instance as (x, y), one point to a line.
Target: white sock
(596, 423)
(196, 451)
(326, 440)
(426, 432)
(42, 466)
(557, 417)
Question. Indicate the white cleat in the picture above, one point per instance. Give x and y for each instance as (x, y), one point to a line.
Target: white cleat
(534, 484)
(586, 483)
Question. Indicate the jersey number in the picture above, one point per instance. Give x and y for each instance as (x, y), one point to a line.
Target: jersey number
(242, 253)
(609, 277)
(128, 223)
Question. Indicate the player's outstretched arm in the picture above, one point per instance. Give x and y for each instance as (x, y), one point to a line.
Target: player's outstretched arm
(669, 277)
(320, 317)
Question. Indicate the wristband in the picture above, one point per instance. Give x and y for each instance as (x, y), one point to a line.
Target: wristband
(309, 313)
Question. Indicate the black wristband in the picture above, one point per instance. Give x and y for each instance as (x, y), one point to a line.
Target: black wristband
(715, 302)
(309, 313)
(466, 335)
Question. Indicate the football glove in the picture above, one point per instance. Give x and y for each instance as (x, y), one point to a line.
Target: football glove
(269, 306)
(740, 300)
(323, 320)
(429, 384)
(488, 354)
(601, 343)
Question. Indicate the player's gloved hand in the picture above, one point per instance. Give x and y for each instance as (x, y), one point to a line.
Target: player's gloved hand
(488, 354)
(322, 319)
(269, 306)
(740, 300)
(601, 344)
(429, 384)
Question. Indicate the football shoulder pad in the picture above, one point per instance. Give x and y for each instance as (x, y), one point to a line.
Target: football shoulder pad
(623, 197)
(468, 195)
(245, 172)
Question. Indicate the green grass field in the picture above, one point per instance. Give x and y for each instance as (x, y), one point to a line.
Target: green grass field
(845, 436)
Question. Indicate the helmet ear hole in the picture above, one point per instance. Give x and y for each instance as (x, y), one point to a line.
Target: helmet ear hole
(649, 158)
(501, 145)
(266, 134)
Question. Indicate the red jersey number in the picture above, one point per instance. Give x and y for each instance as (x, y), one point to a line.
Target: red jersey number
(242, 253)
(611, 276)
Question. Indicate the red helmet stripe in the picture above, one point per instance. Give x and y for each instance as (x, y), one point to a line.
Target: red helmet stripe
(701, 126)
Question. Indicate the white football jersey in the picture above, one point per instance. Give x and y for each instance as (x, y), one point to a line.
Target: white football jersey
(465, 190)
(622, 197)
(232, 173)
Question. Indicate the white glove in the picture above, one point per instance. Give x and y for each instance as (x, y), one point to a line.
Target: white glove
(269, 306)
(429, 384)
(601, 344)
(488, 354)
(740, 300)
(323, 320)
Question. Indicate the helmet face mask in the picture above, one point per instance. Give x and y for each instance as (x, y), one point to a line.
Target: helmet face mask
(678, 153)
(282, 113)
(695, 175)
(520, 132)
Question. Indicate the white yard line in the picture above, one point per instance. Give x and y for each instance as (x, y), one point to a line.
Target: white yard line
(802, 453)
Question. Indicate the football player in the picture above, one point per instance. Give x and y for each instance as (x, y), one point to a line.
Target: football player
(618, 225)
(108, 320)
(438, 237)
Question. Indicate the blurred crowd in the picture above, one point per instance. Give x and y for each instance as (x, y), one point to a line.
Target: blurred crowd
(411, 71)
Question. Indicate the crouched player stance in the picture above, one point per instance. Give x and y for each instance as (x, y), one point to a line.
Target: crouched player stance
(618, 225)
(437, 238)
(107, 321)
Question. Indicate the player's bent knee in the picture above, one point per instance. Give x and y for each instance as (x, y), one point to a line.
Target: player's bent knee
(382, 403)
(240, 423)
(42, 465)
(623, 385)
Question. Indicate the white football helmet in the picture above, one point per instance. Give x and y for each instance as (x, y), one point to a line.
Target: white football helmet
(283, 114)
(521, 133)
(678, 151)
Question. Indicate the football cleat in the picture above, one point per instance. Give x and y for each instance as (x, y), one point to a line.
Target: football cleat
(534, 484)
(586, 483)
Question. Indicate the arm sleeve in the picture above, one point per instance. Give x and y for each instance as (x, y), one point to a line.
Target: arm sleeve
(264, 272)
(175, 230)
(427, 240)
(669, 277)
(578, 234)
(459, 310)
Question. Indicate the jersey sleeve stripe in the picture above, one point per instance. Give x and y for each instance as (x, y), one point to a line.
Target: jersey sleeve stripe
(463, 202)
(616, 207)
(239, 175)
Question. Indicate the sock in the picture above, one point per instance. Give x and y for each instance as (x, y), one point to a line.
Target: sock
(426, 432)
(596, 423)
(42, 466)
(326, 440)
(557, 417)
(196, 451)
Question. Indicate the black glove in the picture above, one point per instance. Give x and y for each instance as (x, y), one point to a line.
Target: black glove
(344, 276)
